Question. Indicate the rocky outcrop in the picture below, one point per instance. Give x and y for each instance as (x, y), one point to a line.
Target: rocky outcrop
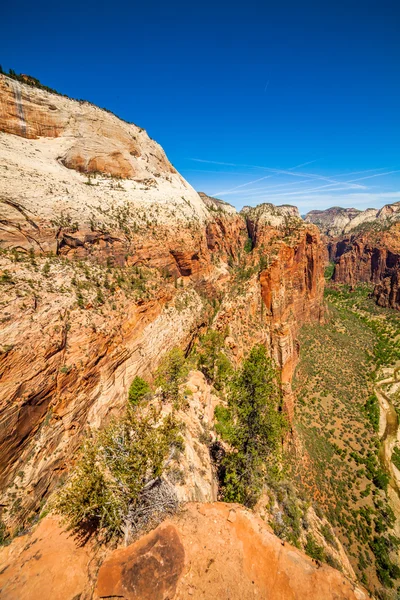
(47, 563)
(285, 292)
(365, 247)
(264, 220)
(292, 289)
(339, 221)
(238, 558)
(370, 257)
(226, 230)
(101, 275)
(99, 141)
(149, 569)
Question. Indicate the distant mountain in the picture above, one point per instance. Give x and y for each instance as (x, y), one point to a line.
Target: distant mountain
(337, 221)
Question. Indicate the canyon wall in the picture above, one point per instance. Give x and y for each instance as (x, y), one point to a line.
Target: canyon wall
(109, 259)
(286, 291)
(371, 256)
(365, 247)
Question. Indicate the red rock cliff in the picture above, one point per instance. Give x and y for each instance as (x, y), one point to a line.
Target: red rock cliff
(373, 257)
(101, 275)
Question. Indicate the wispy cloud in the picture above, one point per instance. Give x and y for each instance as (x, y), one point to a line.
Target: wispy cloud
(362, 200)
(241, 186)
(338, 189)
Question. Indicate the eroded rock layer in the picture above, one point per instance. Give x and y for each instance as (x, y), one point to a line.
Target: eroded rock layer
(109, 259)
(370, 256)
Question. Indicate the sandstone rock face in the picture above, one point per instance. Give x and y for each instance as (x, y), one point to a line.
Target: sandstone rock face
(365, 246)
(47, 563)
(207, 551)
(335, 221)
(292, 290)
(276, 302)
(262, 220)
(99, 141)
(240, 558)
(338, 221)
(100, 276)
(147, 570)
(198, 482)
(371, 257)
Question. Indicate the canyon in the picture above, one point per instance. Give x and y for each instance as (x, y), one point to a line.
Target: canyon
(109, 260)
(364, 245)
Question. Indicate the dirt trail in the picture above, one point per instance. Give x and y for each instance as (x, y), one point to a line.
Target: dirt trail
(389, 433)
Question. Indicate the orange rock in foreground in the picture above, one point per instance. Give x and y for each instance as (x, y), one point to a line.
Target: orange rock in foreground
(207, 551)
(46, 564)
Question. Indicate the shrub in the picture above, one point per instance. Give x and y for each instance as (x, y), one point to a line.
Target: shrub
(396, 457)
(253, 425)
(313, 549)
(211, 361)
(170, 374)
(46, 269)
(138, 389)
(114, 469)
(372, 411)
(329, 271)
(248, 246)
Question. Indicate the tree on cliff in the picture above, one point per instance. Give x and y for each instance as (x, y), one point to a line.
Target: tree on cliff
(117, 468)
(254, 426)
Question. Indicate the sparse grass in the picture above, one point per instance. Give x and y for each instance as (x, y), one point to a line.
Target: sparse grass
(337, 419)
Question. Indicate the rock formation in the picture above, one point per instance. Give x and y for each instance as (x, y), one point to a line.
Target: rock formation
(338, 221)
(238, 558)
(365, 247)
(102, 274)
(108, 260)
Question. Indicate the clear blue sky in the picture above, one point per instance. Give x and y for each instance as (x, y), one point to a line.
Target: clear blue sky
(261, 87)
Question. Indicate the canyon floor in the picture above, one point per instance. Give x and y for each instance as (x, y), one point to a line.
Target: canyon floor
(342, 419)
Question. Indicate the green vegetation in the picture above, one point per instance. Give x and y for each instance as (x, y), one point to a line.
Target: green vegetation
(372, 411)
(313, 549)
(3, 534)
(248, 246)
(329, 270)
(170, 375)
(396, 457)
(253, 425)
(138, 390)
(337, 420)
(211, 360)
(116, 466)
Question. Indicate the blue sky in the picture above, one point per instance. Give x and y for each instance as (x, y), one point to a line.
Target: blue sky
(283, 102)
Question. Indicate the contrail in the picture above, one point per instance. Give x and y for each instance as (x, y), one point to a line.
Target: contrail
(261, 178)
(376, 175)
(241, 186)
(332, 181)
(350, 184)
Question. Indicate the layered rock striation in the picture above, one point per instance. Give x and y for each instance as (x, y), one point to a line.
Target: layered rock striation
(365, 247)
(109, 259)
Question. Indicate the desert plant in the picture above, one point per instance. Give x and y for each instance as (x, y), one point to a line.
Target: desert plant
(138, 389)
(254, 426)
(115, 469)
